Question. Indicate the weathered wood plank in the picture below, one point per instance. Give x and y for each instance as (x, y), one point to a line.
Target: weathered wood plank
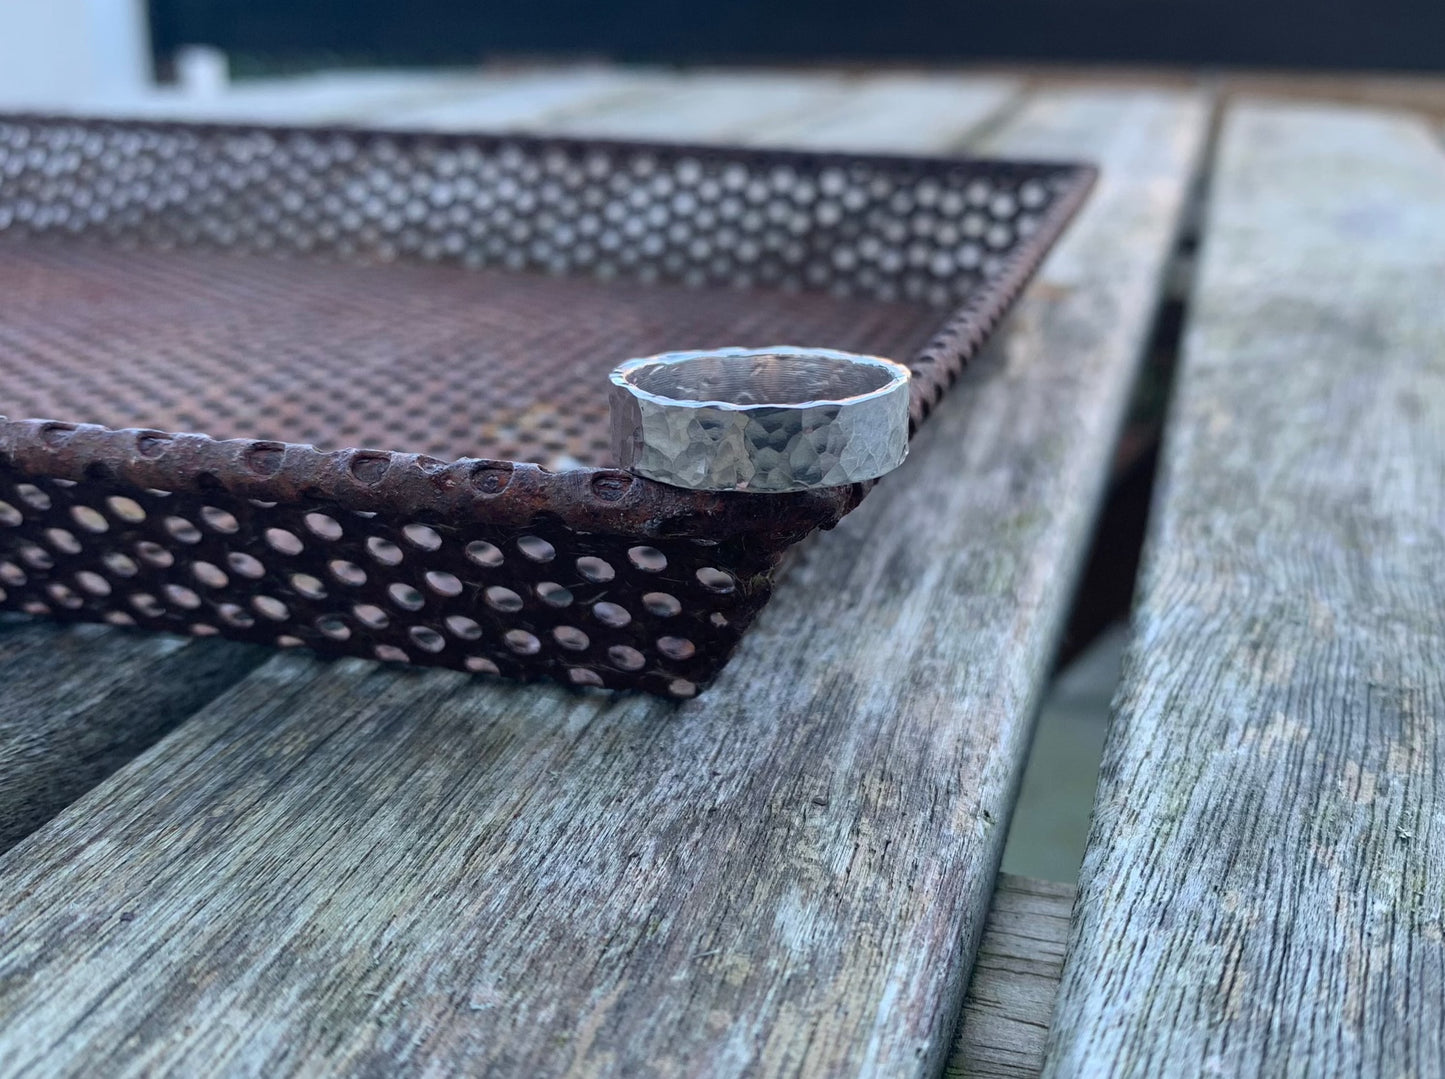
(896, 114)
(352, 869)
(78, 702)
(327, 97)
(528, 100)
(1264, 891)
(1015, 978)
(716, 106)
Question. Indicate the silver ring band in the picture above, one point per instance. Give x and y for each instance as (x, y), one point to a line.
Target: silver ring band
(765, 420)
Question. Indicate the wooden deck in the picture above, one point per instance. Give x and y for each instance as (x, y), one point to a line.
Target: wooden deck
(231, 862)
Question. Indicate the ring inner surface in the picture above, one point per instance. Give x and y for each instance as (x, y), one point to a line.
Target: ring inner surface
(767, 379)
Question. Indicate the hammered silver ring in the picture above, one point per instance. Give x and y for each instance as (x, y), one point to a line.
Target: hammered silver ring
(760, 419)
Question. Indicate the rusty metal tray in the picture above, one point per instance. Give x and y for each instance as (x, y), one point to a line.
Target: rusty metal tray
(397, 346)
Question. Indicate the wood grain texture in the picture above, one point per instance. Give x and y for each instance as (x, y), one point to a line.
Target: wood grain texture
(347, 869)
(1264, 889)
(1015, 978)
(77, 702)
(896, 114)
(326, 97)
(725, 107)
(527, 99)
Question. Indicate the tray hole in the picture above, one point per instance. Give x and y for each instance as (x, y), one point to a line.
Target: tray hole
(718, 619)
(152, 443)
(443, 583)
(502, 599)
(234, 615)
(405, 596)
(183, 530)
(371, 616)
(245, 565)
(463, 627)
(36, 556)
(571, 638)
(182, 596)
(536, 548)
(369, 468)
(119, 564)
(611, 486)
(427, 639)
(492, 478)
(125, 509)
(201, 629)
(271, 607)
(308, 586)
(581, 676)
(522, 642)
(218, 520)
(647, 559)
(10, 516)
(119, 618)
(93, 582)
(626, 658)
(389, 653)
(62, 540)
(661, 604)
(553, 594)
(154, 554)
(334, 627)
(283, 541)
(595, 569)
(485, 554)
(384, 551)
(209, 575)
(716, 580)
(676, 647)
(264, 459)
(57, 434)
(324, 526)
(147, 604)
(681, 687)
(481, 665)
(89, 519)
(611, 614)
(32, 496)
(422, 536)
(348, 573)
(64, 596)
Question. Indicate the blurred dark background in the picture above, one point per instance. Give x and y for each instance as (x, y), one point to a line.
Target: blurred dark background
(276, 35)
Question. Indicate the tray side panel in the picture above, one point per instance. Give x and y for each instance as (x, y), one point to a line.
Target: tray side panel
(539, 599)
(890, 228)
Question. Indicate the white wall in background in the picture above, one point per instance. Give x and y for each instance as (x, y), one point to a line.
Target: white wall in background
(69, 52)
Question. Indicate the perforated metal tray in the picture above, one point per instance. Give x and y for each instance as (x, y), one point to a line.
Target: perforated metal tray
(455, 302)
